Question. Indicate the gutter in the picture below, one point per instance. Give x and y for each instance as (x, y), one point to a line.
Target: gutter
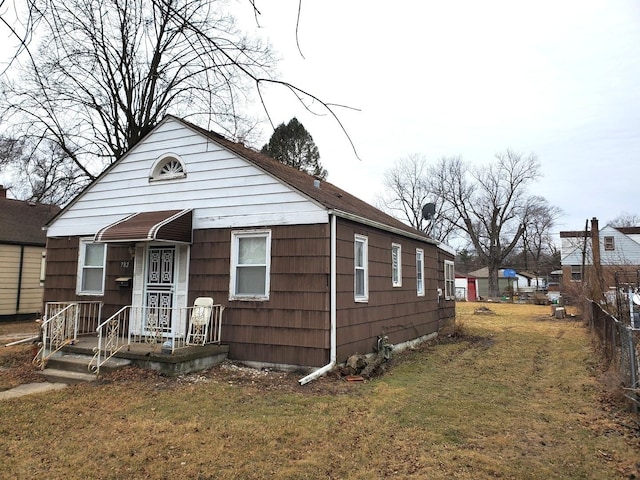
(382, 226)
(333, 309)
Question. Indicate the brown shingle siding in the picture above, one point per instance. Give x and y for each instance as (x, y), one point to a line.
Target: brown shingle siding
(291, 327)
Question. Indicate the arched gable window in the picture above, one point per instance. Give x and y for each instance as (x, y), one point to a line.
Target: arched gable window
(168, 167)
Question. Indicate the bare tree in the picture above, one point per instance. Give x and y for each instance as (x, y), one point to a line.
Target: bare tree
(538, 248)
(491, 203)
(109, 70)
(407, 191)
(42, 175)
(625, 220)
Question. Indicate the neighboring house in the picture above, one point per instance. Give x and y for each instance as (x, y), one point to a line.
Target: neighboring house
(466, 287)
(618, 252)
(505, 284)
(529, 282)
(22, 242)
(308, 274)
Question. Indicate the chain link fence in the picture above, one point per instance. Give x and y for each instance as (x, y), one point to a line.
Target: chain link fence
(619, 343)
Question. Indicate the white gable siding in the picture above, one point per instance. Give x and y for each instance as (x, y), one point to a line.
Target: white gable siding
(626, 251)
(223, 189)
(635, 237)
(571, 251)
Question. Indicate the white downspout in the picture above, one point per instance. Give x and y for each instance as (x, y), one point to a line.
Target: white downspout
(333, 309)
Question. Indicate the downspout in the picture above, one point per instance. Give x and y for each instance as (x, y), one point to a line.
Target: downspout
(333, 309)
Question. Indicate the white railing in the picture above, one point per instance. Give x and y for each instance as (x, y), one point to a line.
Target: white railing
(110, 332)
(151, 329)
(62, 323)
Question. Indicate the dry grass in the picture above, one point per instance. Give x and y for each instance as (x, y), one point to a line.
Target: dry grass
(9, 330)
(15, 361)
(515, 396)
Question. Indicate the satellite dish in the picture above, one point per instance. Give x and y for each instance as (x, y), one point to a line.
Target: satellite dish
(636, 299)
(428, 211)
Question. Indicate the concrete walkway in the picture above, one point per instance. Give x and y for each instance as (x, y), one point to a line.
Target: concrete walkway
(29, 388)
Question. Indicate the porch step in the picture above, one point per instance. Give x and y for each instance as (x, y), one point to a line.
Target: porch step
(75, 367)
(55, 375)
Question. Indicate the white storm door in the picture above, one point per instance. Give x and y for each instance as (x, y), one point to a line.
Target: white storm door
(160, 286)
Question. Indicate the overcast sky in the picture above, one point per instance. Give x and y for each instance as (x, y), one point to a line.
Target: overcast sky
(560, 79)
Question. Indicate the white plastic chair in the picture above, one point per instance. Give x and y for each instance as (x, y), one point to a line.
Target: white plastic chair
(199, 321)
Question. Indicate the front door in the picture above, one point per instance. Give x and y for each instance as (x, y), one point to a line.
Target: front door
(160, 288)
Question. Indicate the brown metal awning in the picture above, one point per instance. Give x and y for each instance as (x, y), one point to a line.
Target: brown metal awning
(166, 225)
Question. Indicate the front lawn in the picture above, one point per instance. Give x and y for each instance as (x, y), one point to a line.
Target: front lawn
(517, 396)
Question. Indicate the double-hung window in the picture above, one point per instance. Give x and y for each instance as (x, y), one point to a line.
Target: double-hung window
(361, 268)
(250, 265)
(576, 273)
(449, 280)
(396, 265)
(420, 272)
(91, 268)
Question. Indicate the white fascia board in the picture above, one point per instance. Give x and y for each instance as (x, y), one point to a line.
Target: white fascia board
(382, 226)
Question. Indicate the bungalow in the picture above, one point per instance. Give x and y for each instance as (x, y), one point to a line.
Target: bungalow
(22, 242)
(307, 274)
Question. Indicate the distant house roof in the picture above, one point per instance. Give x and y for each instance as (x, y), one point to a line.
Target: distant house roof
(463, 275)
(628, 230)
(21, 222)
(528, 275)
(484, 273)
(581, 233)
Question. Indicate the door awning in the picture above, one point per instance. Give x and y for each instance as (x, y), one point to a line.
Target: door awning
(165, 225)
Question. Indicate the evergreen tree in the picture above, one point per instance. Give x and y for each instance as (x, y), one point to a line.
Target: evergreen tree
(293, 145)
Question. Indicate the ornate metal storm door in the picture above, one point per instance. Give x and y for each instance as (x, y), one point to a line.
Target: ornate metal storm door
(160, 289)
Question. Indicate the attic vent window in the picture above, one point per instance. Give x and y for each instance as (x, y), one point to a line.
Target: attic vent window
(168, 168)
(609, 243)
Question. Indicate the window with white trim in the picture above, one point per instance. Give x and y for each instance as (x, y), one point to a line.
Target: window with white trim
(609, 243)
(91, 267)
(449, 280)
(361, 268)
(250, 265)
(420, 272)
(396, 265)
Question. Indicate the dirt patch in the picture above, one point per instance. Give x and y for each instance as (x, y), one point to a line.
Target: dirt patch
(232, 373)
(483, 311)
(16, 367)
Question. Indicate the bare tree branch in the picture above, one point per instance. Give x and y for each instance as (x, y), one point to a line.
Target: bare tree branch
(491, 202)
(109, 70)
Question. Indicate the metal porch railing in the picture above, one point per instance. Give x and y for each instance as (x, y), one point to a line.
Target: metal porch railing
(152, 329)
(62, 323)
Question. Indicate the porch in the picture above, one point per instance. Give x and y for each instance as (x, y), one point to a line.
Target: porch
(170, 340)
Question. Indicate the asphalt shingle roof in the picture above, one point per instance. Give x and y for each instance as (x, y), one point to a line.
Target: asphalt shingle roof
(326, 194)
(21, 222)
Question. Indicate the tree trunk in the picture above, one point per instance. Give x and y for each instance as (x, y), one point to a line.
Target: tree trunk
(494, 287)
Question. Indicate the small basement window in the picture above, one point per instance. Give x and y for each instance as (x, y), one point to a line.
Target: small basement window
(168, 167)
